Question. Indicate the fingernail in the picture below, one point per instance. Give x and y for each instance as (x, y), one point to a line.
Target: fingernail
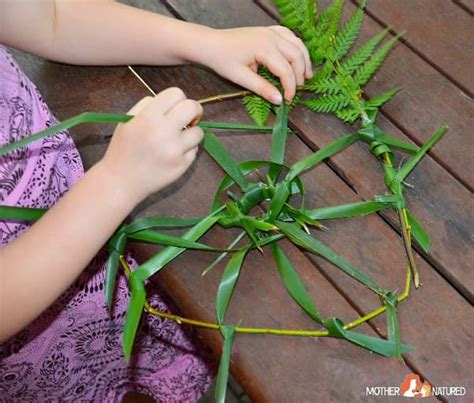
(277, 98)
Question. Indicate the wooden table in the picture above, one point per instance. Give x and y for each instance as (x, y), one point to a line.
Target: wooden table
(433, 63)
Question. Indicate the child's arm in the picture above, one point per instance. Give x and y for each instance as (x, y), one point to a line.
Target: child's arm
(145, 155)
(106, 33)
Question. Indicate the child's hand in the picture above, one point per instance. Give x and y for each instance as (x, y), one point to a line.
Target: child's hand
(154, 148)
(236, 53)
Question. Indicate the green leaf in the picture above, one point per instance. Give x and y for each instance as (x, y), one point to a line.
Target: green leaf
(144, 223)
(332, 148)
(224, 254)
(349, 33)
(134, 312)
(378, 101)
(364, 73)
(279, 141)
(306, 241)
(393, 328)
(419, 233)
(411, 163)
(219, 153)
(328, 103)
(161, 259)
(348, 210)
(234, 126)
(86, 117)
(362, 54)
(379, 346)
(228, 333)
(227, 284)
(282, 193)
(293, 284)
(10, 213)
(258, 108)
(116, 248)
(349, 115)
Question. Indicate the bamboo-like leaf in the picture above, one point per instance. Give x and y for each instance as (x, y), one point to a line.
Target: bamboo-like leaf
(306, 241)
(116, 248)
(134, 312)
(326, 152)
(11, 213)
(224, 254)
(218, 152)
(234, 126)
(393, 328)
(224, 364)
(379, 346)
(282, 193)
(86, 117)
(279, 141)
(161, 259)
(227, 284)
(144, 223)
(419, 233)
(293, 283)
(408, 167)
(349, 210)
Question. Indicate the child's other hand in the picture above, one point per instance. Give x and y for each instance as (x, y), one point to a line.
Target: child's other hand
(236, 53)
(154, 148)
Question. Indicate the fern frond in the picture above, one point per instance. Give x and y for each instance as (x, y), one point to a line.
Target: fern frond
(267, 75)
(329, 103)
(348, 115)
(349, 33)
(329, 86)
(363, 53)
(365, 72)
(300, 15)
(378, 101)
(258, 108)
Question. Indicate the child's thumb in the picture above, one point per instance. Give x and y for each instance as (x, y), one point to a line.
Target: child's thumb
(139, 106)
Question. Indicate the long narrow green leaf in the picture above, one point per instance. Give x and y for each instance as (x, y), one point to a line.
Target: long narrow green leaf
(227, 284)
(279, 141)
(170, 240)
(282, 192)
(383, 347)
(293, 284)
(219, 153)
(311, 244)
(408, 167)
(228, 333)
(233, 126)
(161, 259)
(348, 210)
(86, 117)
(393, 328)
(224, 254)
(10, 213)
(144, 223)
(116, 248)
(419, 233)
(326, 152)
(134, 313)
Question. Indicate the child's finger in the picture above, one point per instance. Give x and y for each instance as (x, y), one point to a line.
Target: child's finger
(183, 113)
(191, 138)
(190, 156)
(139, 106)
(294, 55)
(280, 67)
(163, 102)
(290, 36)
(248, 78)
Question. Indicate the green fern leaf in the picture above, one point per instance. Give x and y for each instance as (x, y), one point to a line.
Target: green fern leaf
(363, 53)
(258, 108)
(349, 33)
(328, 86)
(348, 115)
(365, 72)
(329, 103)
(377, 102)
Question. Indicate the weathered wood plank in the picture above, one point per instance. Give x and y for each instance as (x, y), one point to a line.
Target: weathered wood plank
(442, 32)
(466, 5)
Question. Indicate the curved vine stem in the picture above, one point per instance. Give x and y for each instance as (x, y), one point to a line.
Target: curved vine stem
(279, 332)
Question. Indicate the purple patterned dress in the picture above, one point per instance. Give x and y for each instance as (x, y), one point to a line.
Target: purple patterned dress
(73, 352)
